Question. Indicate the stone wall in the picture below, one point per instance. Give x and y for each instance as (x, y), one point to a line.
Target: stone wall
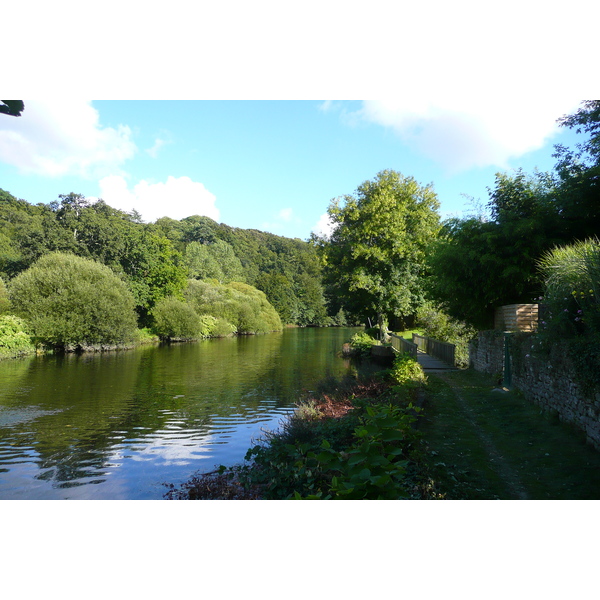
(486, 354)
(550, 383)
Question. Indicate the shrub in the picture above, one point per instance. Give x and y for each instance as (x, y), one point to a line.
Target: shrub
(406, 370)
(70, 301)
(244, 307)
(361, 342)
(436, 324)
(177, 320)
(217, 327)
(571, 308)
(572, 289)
(14, 339)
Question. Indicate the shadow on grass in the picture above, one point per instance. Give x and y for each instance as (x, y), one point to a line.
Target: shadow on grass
(486, 444)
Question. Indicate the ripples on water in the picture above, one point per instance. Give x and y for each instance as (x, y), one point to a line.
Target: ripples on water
(121, 425)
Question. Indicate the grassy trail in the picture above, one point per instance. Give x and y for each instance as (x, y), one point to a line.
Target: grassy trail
(485, 444)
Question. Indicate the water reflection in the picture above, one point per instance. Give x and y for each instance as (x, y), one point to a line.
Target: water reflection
(120, 425)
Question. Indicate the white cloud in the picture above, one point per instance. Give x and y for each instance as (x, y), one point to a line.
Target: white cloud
(158, 144)
(460, 134)
(63, 137)
(176, 198)
(324, 226)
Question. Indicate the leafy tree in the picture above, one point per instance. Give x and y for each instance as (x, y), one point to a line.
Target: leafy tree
(478, 265)
(311, 301)
(213, 261)
(579, 173)
(70, 301)
(152, 268)
(375, 256)
(281, 294)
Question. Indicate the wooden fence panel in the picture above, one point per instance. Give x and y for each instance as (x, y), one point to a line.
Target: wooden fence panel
(403, 345)
(441, 350)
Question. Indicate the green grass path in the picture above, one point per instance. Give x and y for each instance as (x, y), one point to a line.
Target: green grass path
(485, 444)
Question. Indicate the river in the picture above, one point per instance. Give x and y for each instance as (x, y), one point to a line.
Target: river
(121, 425)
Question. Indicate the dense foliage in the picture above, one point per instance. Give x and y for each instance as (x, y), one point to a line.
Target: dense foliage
(239, 306)
(4, 299)
(177, 320)
(571, 308)
(14, 339)
(374, 259)
(436, 324)
(483, 262)
(156, 260)
(365, 453)
(72, 301)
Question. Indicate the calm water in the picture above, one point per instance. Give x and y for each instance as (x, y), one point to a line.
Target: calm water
(120, 425)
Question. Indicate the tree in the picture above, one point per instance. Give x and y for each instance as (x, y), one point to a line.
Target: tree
(69, 301)
(152, 267)
(213, 261)
(477, 265)
(374, 259)
(13, 108)
(579, 173)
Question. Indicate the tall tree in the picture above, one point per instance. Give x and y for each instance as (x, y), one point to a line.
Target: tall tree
(477, 265)
(579, 172)
(375, 256)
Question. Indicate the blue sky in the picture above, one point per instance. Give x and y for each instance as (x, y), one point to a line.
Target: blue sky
(269, 165)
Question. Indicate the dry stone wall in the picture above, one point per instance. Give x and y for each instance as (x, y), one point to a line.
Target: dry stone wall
(550, 383)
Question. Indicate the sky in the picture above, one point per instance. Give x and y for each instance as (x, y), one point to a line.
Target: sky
(272, 165)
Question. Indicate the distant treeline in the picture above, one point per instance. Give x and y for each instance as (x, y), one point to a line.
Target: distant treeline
(157, 259)
(182, 279)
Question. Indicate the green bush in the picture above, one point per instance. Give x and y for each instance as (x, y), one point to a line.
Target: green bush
(572, 290)
(14, 339)
(243, 306)
(217, 327)
(361, 342)
(437, 325)
(177, 320)
(571, 308)
(365, 462)
(69, 301)
(406, 370)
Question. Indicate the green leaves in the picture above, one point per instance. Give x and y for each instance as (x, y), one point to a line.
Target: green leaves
(374, 258)
(67, 300)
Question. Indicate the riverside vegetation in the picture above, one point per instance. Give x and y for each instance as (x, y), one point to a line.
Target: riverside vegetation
(354, 440)
(80, 275)
(397, 434)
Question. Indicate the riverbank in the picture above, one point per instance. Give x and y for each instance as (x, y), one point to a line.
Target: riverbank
(351, 439)
(455, 436)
